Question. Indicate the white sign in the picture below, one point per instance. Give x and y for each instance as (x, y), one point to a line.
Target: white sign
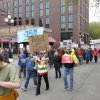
(61, 44)
(27, 47)
(67, 43)
(23, 35)
(74, 45)
(21, 46)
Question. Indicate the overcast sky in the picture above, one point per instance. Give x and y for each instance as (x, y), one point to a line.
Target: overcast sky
(94, 14)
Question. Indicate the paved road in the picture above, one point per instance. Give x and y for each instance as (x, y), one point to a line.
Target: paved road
(87, 85)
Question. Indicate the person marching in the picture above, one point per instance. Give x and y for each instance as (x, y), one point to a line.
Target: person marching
(95, 54)
(30, 71)
(69, 60)
(57, 64)
(42, 70)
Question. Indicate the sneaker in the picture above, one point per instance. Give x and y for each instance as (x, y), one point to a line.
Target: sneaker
(37, 93)
(47, 88)
(24, 89)
(66, 89)
(35, 86)
(71, 89)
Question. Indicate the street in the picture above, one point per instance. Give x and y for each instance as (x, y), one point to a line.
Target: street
(86, 85)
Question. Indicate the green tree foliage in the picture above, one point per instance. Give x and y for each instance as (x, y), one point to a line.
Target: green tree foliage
(94, 30)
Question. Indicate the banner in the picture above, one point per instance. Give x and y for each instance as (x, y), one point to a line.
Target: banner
(23, 35)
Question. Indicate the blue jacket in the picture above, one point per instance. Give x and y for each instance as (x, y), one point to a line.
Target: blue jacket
(20, 63)
(87, 53)
(30, 64)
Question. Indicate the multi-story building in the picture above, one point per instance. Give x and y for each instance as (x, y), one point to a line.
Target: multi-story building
(66, 19)
(2, 15)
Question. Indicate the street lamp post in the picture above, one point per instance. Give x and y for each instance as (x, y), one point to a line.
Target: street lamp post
(9, 21)
(81, 40)
(72, 39)
(90, 40)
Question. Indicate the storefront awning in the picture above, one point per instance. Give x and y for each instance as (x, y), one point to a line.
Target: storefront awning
(13, 40)
(51, 39)
(2, 40)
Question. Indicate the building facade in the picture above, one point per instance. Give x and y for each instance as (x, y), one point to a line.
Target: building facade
(68, 20)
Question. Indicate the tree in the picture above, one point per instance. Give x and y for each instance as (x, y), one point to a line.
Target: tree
(94, 30)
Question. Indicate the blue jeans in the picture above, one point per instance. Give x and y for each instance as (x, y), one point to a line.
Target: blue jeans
(68, 71)
(28, 75)
(80, 60)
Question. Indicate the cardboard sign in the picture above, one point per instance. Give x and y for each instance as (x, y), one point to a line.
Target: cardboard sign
(38, 43)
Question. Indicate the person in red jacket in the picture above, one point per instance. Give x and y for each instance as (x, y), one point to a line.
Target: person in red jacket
(80, 55)
(95, 54)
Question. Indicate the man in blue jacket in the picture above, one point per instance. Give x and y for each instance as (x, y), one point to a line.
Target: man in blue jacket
(30, 71)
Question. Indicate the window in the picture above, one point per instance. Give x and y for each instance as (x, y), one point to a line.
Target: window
(32, 7)
(33, 14)
(70, 26)
(20, 22)
(63, 3)
(40, 22)
(62, 10)
(62, 26)
(65, 35)
(15, 3)
(47, 22)
(33, 1)
(15, 10)
(32, 22)
(33, 10)
(20, 2)
(9, 8)
(47, 12)
(27, 22)
(41, 12)
(47, 8)
(27, 8)
(41, 8)
(63, 23)
(63, 19)
(40, 0)
(47, 4)
(27, 14)
(70, 9)
(27, 11)
(20, 11)
(15, 23)
(27, 2)
(62, 6)
(70, 18)
(15, 14)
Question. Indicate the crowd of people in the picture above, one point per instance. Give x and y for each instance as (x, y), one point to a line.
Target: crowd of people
(35, 65)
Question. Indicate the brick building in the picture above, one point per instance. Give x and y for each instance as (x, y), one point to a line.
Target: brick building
(65, 19)
(2, 17)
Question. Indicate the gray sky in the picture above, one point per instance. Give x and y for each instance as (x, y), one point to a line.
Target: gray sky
(94, 14)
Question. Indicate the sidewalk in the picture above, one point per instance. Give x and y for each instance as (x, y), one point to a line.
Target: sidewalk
(87, 86)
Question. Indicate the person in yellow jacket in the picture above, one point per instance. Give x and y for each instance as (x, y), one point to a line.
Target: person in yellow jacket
(69, 60)
(8, 81)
